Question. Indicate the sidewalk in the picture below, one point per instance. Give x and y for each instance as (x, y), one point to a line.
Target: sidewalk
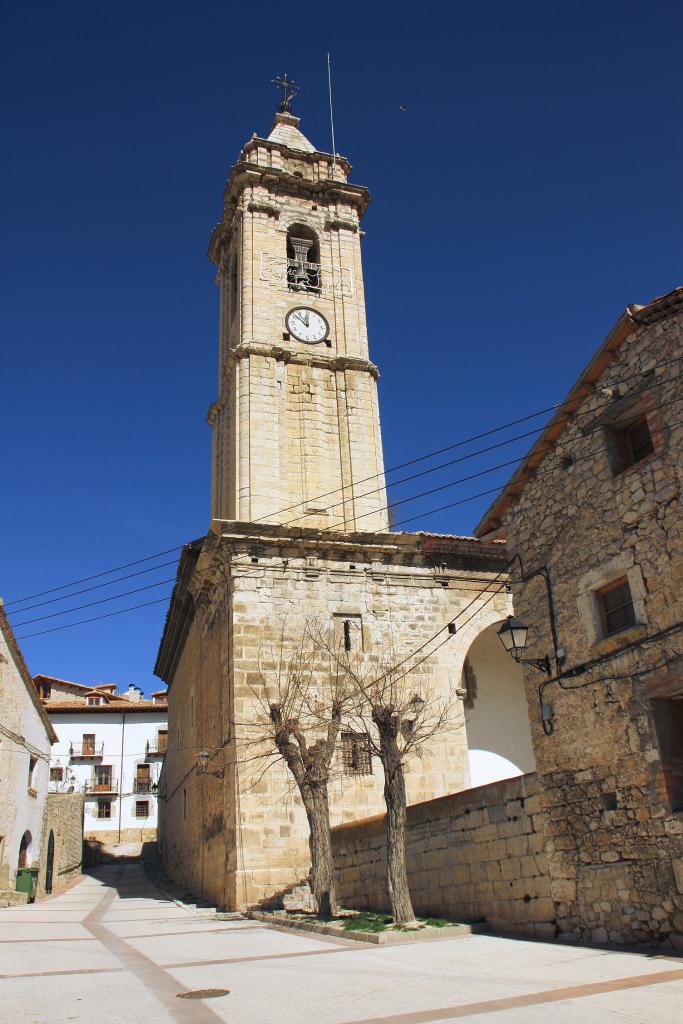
(113, 949)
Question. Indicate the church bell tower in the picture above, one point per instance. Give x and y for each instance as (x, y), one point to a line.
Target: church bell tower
(296, 434)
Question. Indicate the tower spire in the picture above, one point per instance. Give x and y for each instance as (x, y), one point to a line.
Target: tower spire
(289, 90)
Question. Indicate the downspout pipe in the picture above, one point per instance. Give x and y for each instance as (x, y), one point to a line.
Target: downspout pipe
(123, 733)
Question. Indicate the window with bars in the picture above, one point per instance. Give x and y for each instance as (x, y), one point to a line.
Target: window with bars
(631, 443)
(615, 605)
(56, 774)
(356, 753)
(142, 808)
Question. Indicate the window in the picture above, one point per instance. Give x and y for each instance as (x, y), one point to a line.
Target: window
(142, 808)
(356, 753)
(631, 443)
(103, 776)
(104, 808)
(348, 631)
(32, 762)
(88, 743)
(142, 779)
(615, 605)
(668, 719)
(95, 700)
(56, 774)
(162, 740)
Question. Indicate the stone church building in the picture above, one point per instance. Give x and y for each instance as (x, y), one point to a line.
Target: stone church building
(299, 531)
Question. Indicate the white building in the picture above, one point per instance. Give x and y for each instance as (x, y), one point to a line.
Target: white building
(25, 738)
(111, 747)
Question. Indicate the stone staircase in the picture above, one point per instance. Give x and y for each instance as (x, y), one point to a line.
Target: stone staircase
(299, 898)
(10, 898)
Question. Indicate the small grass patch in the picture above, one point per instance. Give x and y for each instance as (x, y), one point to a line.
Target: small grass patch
(435, 922)
(367, 922)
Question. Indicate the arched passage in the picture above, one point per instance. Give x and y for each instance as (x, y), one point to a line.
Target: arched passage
(25, 850)
(496, 712)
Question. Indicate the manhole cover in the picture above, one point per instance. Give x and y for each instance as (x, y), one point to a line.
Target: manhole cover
(204, 993)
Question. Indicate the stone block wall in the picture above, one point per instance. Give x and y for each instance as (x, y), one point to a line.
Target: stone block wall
(475, 855)
(64, 818)
(608, 763)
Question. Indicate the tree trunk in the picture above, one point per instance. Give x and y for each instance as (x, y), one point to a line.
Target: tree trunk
(320, 843)
(395, 799)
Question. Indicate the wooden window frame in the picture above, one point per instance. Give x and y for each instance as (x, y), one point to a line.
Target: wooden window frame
(103, 803)
(624, 454)
(138, 805)
(601, 593)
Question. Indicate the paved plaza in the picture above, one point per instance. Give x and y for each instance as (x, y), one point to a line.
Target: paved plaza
(114, 949)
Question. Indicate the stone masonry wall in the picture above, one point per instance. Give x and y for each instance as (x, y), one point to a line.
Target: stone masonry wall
(614, 828)
(247, 815)
(471, 856)
(63, 817)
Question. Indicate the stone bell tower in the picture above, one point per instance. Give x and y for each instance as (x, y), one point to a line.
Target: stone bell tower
(296, 436)
(299, 533)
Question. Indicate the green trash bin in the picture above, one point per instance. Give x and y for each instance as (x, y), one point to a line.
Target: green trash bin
(27, 881)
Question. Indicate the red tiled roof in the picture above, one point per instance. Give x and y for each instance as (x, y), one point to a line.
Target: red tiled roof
(121, 705)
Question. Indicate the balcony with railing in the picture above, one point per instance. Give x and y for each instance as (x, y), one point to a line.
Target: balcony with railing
(100, 786)
(156, 747)
(144, 786)
(78, 750)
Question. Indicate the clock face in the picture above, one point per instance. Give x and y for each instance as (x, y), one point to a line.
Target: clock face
(307, 325)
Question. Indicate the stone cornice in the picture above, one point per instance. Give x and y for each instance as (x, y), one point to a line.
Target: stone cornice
(267, 208)
(280, 182)
(341, 225)
(317, 156)
(304, 358)
(433, 548)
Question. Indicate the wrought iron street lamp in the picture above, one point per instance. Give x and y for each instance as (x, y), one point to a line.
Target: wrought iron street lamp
(513, 636)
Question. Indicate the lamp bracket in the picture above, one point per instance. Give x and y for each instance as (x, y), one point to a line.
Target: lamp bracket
(542, 664)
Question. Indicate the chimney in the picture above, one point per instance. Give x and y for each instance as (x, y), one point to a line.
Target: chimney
(133, 694)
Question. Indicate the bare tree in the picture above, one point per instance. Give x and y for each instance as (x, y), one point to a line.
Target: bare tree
(393, 704)
(303, 692)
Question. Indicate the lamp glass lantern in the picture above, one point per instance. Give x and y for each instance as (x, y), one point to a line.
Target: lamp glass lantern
(513, 634)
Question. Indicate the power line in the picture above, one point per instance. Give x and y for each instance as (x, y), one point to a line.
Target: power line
(375, 476)
(389, 505)
(454, 483)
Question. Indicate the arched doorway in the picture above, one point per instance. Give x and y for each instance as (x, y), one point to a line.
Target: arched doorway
(49, 867)
(496, 712)
(25, 850)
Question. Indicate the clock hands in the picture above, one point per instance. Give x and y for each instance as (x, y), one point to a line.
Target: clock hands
(303, 318)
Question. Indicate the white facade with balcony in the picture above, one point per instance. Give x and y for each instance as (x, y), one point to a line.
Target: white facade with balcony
(111, 747)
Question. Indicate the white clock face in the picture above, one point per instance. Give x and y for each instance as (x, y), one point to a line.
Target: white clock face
(307, 325)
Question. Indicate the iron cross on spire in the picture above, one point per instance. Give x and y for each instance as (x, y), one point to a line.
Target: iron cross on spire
(289, 91)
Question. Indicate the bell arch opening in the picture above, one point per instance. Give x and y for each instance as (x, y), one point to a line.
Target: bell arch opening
(496, 712)
(303, 259)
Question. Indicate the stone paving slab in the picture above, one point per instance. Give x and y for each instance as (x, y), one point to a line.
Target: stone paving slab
(124, 975)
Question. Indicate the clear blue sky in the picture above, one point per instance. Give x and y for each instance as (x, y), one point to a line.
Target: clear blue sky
(529, 192)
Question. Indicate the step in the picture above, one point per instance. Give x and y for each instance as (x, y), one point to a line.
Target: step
(11, 898)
